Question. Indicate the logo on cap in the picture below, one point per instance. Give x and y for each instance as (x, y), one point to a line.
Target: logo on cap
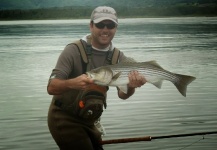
(104, 13)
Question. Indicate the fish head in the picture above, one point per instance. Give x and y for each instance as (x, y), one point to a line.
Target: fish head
(101, 76)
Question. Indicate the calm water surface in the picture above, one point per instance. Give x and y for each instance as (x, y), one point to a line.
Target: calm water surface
(28, 53)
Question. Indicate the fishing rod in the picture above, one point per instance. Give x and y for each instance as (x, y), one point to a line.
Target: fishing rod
(149, 138)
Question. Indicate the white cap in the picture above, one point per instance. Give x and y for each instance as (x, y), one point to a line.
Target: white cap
(104, 13)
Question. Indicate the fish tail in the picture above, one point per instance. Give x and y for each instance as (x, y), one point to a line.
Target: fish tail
(182, 83)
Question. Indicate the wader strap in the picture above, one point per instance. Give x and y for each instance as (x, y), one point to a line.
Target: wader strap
(89, 54)
(113, 55)
(86, 51)
(81, 48)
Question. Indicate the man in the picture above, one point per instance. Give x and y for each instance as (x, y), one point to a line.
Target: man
(70, 130)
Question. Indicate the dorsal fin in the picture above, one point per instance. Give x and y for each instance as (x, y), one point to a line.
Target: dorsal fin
(128, 60)
(154, 63)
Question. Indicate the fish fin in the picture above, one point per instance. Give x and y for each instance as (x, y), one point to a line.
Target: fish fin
(154, 63)
(128, 60)
(116, 76)
(123, 88)
(158, 84)
(183, 82)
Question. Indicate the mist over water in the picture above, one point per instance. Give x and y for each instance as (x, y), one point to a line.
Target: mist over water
(29, 51)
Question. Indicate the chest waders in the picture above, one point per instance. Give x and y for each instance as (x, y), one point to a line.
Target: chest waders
(88, 104)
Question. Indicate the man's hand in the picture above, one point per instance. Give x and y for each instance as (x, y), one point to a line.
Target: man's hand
(136, 79)
(58, 86)
(81, 82)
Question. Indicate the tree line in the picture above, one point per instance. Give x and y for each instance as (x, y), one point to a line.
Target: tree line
(123, 12)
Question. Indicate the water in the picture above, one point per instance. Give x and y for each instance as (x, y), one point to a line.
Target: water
(28, 53)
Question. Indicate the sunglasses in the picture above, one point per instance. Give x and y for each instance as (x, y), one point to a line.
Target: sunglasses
(102, 25)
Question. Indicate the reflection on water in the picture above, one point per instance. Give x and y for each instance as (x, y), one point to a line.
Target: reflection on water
(29, 50)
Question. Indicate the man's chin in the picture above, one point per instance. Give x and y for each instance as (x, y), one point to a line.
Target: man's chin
(106, 43)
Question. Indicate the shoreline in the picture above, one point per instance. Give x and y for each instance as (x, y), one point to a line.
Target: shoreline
(142, 17)
(123, 12)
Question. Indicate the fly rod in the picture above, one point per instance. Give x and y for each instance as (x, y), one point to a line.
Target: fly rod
(149, 138)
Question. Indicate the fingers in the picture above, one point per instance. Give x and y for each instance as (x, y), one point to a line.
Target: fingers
(136, 79)
(85, 81)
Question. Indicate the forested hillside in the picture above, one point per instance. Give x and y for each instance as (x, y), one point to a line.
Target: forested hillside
(37, 4)
(67, 9)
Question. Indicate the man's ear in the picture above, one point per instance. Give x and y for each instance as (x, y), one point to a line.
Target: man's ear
(91, 25)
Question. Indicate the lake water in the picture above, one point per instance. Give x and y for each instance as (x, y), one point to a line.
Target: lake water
(28, 53)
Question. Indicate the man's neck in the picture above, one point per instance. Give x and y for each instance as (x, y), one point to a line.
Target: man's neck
(102, 49)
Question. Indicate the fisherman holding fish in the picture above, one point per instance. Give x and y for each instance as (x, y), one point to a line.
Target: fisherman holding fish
(78, 102)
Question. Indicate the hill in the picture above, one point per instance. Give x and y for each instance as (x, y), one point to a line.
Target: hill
(38, 4)
(68, 9)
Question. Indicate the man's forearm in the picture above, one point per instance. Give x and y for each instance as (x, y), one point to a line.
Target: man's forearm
(57, 86)
(129, 93)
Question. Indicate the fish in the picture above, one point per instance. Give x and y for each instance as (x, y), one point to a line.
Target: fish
(117, 75)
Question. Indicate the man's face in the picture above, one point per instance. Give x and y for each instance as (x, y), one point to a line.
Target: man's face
(102, 33)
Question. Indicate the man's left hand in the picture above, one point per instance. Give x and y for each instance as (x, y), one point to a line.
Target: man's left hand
(136, 79)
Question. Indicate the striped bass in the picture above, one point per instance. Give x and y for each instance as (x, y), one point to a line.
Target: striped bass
(117, 75)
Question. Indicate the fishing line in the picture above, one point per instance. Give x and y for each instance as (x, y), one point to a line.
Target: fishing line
(192, 143)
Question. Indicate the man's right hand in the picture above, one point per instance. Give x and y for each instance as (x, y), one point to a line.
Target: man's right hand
(58, 86)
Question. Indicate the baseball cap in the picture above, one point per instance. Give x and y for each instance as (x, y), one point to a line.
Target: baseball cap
(104, 13)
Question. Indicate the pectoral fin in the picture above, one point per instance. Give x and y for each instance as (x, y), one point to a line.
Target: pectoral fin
(116, 76)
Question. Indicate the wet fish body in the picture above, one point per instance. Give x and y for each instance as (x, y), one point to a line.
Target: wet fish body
(117, 75)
